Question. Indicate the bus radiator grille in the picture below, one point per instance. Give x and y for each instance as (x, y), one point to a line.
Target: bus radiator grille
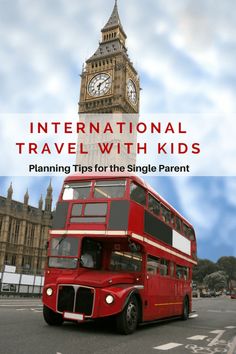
(84, 301)
(66, 299)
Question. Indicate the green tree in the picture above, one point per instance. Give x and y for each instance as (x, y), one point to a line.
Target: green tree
(228, 265)
(216, 281)
(203, 268)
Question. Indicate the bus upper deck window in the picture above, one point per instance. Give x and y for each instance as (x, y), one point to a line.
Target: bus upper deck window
(138, 194)
(79, 190)
(178, 224)
(166, 214)
(154, 205)
(109, 189)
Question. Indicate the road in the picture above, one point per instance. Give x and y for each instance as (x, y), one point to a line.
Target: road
(212, 330)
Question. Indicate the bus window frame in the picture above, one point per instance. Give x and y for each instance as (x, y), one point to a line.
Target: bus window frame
(173, 216)
(109, 180)
(92, 188)
(154, 258)
(129, 193)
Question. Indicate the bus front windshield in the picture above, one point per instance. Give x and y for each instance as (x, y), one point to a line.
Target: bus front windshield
(63, 252)
(94, 257)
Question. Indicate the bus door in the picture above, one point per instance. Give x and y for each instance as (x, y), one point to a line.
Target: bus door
(172, 288)
(157, 290)
(152, 288)
(180, 288)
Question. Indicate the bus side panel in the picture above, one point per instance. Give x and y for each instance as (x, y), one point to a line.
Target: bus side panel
(136, 218)
(159, 297)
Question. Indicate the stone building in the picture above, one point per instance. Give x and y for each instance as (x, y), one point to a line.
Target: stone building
(24, 232)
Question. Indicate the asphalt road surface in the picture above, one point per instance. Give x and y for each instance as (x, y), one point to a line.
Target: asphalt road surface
(212, 330)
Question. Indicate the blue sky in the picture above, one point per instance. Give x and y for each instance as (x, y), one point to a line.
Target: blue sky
(185, 54)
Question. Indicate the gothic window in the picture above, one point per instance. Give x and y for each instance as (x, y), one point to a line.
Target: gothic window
(7, 259)
(1, 222)
(9, 230)
(27, 262)
(29, 235)
(10, 259)
(15, 231)
(13, 259)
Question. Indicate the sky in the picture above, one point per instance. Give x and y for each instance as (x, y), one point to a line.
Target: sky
(185, 54)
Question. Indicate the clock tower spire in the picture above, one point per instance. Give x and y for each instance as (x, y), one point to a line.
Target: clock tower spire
(109, 81)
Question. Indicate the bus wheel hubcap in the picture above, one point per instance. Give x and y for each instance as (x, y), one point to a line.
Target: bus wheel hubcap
(131, 314)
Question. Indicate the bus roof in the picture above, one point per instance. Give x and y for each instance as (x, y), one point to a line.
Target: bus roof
(139, 180)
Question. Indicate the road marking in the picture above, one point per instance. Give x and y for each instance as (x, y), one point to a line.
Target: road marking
(220, 311)
(199, 337)
(194, 315)
(36, 309)
(215, 340)
(21, 309)
(16, 305)
(230, 327)
(168, 346)
(232, 347)
(216, 331)
(20, 300)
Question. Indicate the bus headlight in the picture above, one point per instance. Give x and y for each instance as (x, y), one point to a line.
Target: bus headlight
(109, 299)
(49, 291)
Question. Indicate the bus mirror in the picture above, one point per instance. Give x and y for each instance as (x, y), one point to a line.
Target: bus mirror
(46, 245)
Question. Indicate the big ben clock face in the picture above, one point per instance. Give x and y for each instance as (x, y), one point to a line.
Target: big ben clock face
(99, 85)
(131, 91)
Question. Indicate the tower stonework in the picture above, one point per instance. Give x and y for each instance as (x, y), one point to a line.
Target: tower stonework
(110, 88)
(109, 81)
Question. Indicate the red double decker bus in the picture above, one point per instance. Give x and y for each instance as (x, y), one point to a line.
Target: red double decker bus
(117, 249)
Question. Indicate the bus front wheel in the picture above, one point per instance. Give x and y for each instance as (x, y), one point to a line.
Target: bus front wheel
(127, 320)
(185, 309)
(52, 318)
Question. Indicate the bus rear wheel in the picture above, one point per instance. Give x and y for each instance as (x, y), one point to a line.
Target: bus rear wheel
(185, 313)
(127, 320)
(52, 318)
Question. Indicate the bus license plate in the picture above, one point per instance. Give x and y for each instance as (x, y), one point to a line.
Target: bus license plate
(73, 316)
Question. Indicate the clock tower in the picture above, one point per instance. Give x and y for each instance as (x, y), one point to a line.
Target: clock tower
(109, 81)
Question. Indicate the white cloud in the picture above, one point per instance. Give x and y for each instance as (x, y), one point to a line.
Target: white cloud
(178, 44)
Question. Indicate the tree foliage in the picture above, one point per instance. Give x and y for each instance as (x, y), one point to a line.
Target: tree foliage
(216, 281)
(228, 265)
(203, 268)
